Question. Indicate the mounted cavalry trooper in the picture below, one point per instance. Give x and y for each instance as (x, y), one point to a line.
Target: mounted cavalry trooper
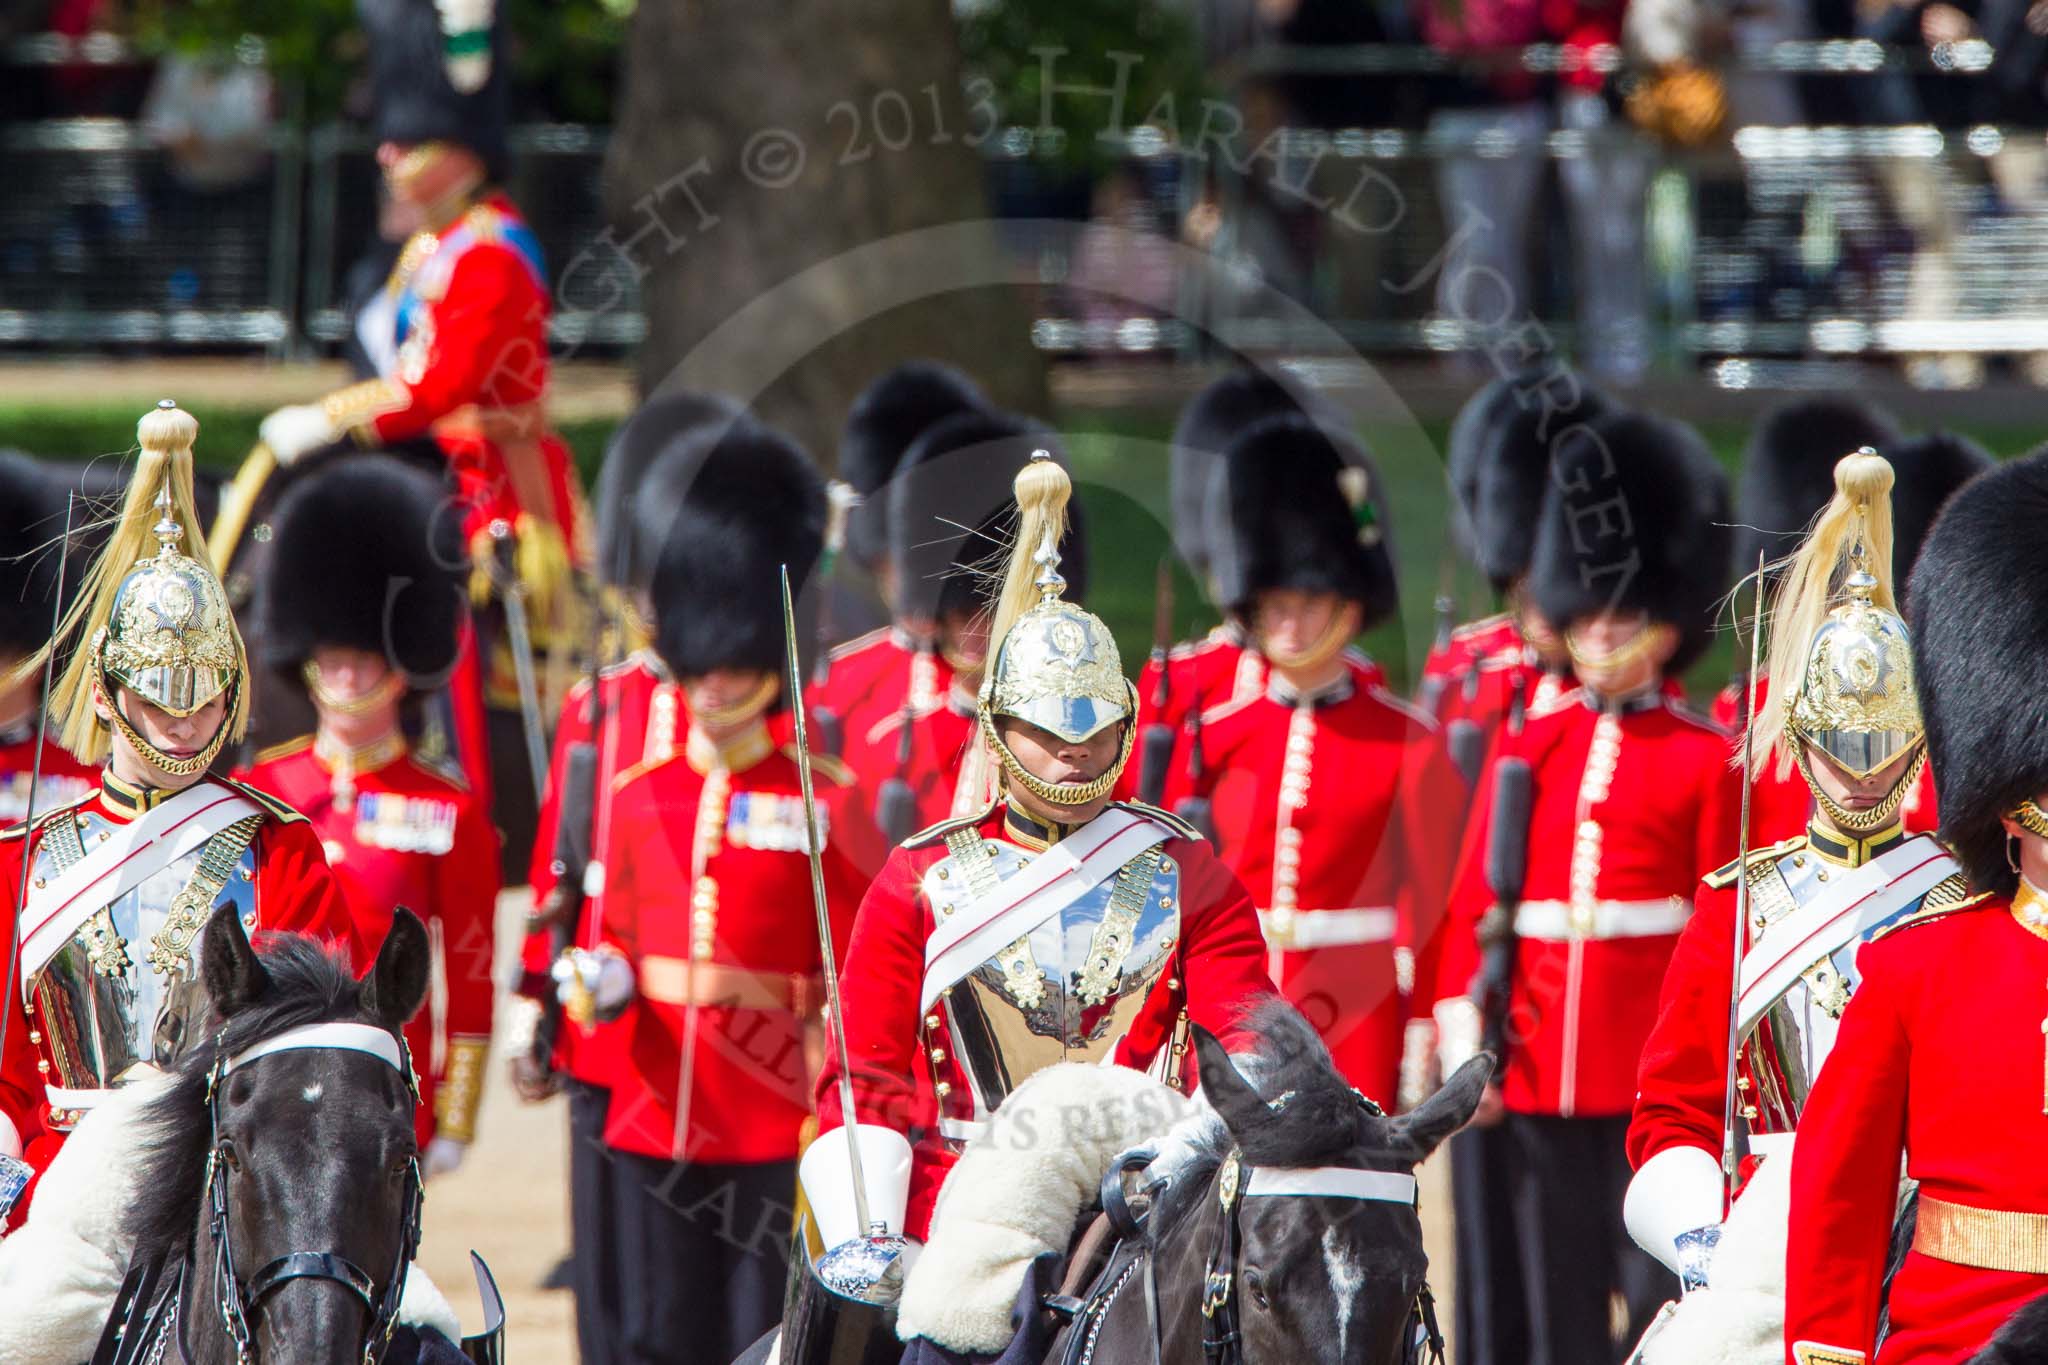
(1632, 802)
(1788, 480)
(707, 944)
(1052, 925)
(1938, 1058)
(361, 608)
(1331, 790)
(1844, 712)
(120, 884)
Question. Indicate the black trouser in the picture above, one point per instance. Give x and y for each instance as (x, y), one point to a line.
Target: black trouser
(1492, 1322)
(704, 1252)
(1569, 1179)
(593, 1226)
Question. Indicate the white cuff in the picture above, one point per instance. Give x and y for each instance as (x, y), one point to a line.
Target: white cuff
(1457, 1032)
(1677, 1190)
(10, 1137)
(827, 1179)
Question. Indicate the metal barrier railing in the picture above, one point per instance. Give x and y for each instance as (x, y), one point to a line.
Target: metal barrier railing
(1784, 241)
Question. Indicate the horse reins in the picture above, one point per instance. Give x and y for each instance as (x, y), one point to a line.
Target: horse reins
(241, 1302)
(1222, 1337)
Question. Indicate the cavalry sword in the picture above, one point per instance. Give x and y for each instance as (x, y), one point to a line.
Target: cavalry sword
(1733, 1147)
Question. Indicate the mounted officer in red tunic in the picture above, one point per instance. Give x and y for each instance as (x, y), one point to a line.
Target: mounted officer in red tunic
(1937, 1063)
(119, 884)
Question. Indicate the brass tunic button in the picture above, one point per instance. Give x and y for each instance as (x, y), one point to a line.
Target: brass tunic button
(931, 1021)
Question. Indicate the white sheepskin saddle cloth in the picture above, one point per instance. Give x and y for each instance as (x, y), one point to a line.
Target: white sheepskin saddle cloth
(1739, 1319)
(1016, 1192)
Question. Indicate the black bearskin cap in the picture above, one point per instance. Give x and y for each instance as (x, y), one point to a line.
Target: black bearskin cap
(740, 503)
(1927, 469)
(1226, 408)
(950, 504)
(1978, 602)
(366, 553)
(1511, 474)
(887, 418)
(31, 535)
(1301, 505)
(414, 98)
(1788, 471)
(662, 422)
(1636, 520)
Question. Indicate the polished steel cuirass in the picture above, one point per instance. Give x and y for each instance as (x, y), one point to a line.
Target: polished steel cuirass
(125, 990)
(1784, 1051)
(1068, 990)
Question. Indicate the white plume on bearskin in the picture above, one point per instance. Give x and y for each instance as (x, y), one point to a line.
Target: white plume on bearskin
(1016, 1191)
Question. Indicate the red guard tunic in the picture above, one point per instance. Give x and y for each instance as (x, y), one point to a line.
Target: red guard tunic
(1470, 645)
(1938, 1061)
(1632, 806)
(709, 897)
(643, 713)
(1216, 971)
(64, 780)
(1780, 806)
(1335, 806)
(399, 832)
(291, 891)
(871, 681)
(937, 764)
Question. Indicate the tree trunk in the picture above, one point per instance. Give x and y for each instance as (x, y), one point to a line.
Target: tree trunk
(791, 184)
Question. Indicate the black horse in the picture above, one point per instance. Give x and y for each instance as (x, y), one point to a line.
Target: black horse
(1288, 1232)
(280, 1187)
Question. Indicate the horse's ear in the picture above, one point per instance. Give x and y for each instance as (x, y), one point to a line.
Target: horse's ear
(234, 975)
(1228, 1092)
(1448, 1110)
(397, 985)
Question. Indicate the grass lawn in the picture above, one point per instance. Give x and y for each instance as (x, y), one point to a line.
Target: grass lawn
(1119, 459)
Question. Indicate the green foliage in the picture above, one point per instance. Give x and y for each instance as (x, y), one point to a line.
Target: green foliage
(564, 52)
(1093, 37)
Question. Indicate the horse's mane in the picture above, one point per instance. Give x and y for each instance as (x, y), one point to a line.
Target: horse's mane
(308, 984)
(1317, 1118)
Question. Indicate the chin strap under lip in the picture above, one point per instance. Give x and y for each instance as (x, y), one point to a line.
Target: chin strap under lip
(1059, 793)
(1862, 821)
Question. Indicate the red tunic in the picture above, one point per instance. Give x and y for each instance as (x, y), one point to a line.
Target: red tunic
(708, 867)
(871, 681)
(64, 781)
(411, 835)
(295, 892)
(643, 714)
(1334, 812)
(1630, 810)
(941, 743)
(1221, 972)
(1780, 806)
(1472, 644)
(1938, 1061)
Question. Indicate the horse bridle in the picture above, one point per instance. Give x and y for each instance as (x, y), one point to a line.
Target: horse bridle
(1222, 1337)
(239, 1302)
